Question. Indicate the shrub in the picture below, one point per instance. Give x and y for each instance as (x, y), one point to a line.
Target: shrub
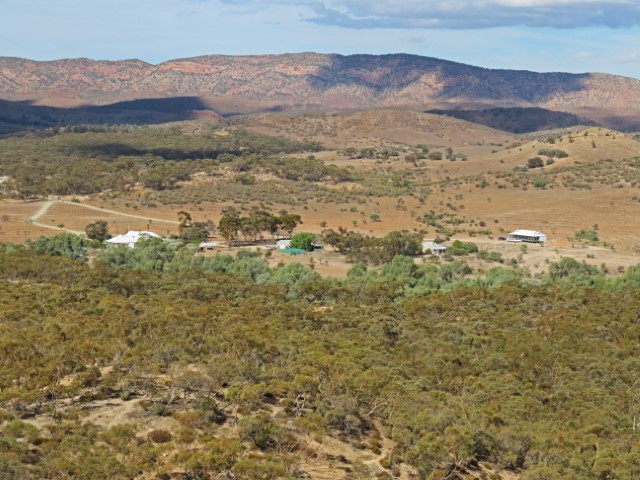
(160, 436)
(535, 163)
(261, 431)
(587, 234)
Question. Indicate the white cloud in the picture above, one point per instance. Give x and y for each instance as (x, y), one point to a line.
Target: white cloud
(465, 14)
(633, 57)
(583, 55)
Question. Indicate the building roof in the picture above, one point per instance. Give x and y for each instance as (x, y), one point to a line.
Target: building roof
(132, 236)
(527, 233)
(433, 245)
(208, 244)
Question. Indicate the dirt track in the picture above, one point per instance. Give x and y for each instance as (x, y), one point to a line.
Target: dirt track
(45, 207)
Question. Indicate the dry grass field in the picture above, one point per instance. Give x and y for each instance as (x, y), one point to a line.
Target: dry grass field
(380, 127)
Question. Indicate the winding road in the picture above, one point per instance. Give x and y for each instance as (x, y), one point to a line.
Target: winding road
(44, 208)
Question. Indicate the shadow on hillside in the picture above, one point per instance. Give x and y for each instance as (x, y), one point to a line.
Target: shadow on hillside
(114, 150)
(518, 120)
(24, 115)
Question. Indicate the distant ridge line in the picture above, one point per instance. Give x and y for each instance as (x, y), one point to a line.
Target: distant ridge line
(312, 81)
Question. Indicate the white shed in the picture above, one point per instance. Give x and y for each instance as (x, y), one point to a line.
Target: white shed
(283, 244)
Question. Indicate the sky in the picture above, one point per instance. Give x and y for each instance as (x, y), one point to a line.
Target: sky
(539, 35)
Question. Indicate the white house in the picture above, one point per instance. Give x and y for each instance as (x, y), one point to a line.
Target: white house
(131, 238)
(529, 236)
(433, 248)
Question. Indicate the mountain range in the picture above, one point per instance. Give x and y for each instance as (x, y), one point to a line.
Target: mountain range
(311, 81)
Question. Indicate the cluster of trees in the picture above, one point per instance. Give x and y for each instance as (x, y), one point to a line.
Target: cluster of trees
(358, 247)
(538, 162)
(538, 379)
(370, 153)
(551, 152)
(259, 221)
(191, 231)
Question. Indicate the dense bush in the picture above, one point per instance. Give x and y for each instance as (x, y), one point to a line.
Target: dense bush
(303, 240)
(61, 245)
(530, 377)
(535, 162)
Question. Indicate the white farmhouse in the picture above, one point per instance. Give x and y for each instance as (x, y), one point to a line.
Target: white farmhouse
(529, 236)
(433, 248)
(131, 238)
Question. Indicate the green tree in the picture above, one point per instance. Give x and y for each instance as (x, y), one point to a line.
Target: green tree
(185, 220)
(303, 241)
(229, 228)
(289, 222)
(195, 231)
(99, 230)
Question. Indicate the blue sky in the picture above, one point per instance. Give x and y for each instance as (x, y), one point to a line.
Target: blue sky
(540, 35)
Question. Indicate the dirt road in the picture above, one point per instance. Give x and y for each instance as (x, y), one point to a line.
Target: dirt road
(44, 208)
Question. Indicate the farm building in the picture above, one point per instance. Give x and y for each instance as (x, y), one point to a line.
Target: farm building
(207, 246)
(131, 238)
(433, 248)
(283, 244)
(529, 236)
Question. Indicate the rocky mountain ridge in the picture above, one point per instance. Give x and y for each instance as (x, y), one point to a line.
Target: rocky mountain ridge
(303, 81)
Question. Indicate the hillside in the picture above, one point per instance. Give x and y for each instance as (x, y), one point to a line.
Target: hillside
(197, 373)
(304, 81)
(375, 127)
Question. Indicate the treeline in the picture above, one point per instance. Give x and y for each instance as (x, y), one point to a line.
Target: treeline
(399, 275)
(540, 380)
